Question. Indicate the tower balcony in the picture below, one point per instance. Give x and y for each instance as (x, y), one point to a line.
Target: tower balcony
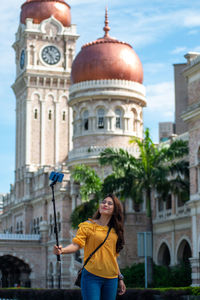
(92, 153)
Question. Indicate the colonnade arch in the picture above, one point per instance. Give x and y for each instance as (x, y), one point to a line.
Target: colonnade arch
(184, 252)
(14, 272)
(164, 257)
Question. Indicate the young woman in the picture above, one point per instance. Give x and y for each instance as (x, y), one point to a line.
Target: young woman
(101, 276)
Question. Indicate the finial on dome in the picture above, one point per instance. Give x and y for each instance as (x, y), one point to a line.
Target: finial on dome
(106, 28)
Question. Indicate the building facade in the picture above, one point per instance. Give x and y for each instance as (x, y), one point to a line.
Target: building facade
(59, 125)
(166, 131)
(67, 111)
(181, 97)
(44, 50)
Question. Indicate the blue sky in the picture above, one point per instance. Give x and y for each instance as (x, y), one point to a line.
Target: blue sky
(161, 33)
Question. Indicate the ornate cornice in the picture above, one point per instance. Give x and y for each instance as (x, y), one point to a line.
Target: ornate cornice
(122, 89)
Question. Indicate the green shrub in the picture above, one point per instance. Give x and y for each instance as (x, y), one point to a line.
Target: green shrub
(177, 276)
(134, 275)
(195, 290)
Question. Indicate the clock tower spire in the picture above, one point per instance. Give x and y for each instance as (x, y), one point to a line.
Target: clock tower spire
(45, 47)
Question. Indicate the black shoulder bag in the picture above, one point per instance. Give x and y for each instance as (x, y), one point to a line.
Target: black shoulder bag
(78, 279)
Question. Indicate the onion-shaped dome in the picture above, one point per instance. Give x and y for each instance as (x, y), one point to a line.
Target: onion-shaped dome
(107, 58)
(39, 10)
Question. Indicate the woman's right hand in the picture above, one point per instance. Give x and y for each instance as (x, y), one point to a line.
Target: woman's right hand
(57, 250)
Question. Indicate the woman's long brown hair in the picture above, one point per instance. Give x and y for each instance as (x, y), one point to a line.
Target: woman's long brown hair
(116, 221)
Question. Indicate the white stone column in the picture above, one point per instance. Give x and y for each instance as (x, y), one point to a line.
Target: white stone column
(71, 129)
(17, 136)
(125, 124)
(66, 58)
(20, 135)
(93, 123)
(194, 236)
(128, 121)
(42, 133)
(138, 127)
(29, 118)
(28, 56)
(194, 262)
(172, 263)
(112, 123)
(23, 131)
(57, 137)
(89, 124)
(106, 124)
(34, 57)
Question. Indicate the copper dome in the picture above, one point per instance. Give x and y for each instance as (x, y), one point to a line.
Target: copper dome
(107, 58)
(39, 10)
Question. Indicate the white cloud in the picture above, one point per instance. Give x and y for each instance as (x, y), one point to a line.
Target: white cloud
(160, 97)
(192, 19)
(179, 50)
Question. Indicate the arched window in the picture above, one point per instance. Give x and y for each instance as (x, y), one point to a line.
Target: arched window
(38, 226)
(64, 115)
(35, 113)
(34, 226)
(85, 119)
(184, 252)
(118, 114)
(164, 258)
(169, 202)
(21, 227)
(17, 230)
(160, 204)
(100, 118)
(50, 114)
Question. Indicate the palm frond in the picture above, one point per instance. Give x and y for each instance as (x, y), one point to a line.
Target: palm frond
(90, 182)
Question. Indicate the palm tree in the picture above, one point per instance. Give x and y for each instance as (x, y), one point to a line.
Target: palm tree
(90, 182)
(157, 169)
(90, 191)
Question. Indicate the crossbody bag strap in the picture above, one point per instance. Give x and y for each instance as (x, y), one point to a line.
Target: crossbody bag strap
(97, 248)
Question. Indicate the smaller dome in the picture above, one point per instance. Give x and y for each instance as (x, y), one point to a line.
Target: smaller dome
(39, 10)
(107, 58)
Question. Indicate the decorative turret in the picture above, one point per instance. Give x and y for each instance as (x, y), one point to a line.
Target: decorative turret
(107, 58)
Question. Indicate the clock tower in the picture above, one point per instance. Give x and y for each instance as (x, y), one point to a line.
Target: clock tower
(44, 46)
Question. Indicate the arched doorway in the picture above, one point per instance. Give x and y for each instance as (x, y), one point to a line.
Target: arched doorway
(14, 271)
(184, 252)
(164, 258)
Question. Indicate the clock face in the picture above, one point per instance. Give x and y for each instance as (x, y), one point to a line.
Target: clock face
(22, 59)
(51, 55)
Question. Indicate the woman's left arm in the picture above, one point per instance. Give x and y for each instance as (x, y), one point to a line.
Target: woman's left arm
(121, 284)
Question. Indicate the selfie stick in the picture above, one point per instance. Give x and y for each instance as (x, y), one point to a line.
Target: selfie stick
(56, 177)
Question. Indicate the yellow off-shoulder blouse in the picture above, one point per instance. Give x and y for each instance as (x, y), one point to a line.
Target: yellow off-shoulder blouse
(104, 262)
